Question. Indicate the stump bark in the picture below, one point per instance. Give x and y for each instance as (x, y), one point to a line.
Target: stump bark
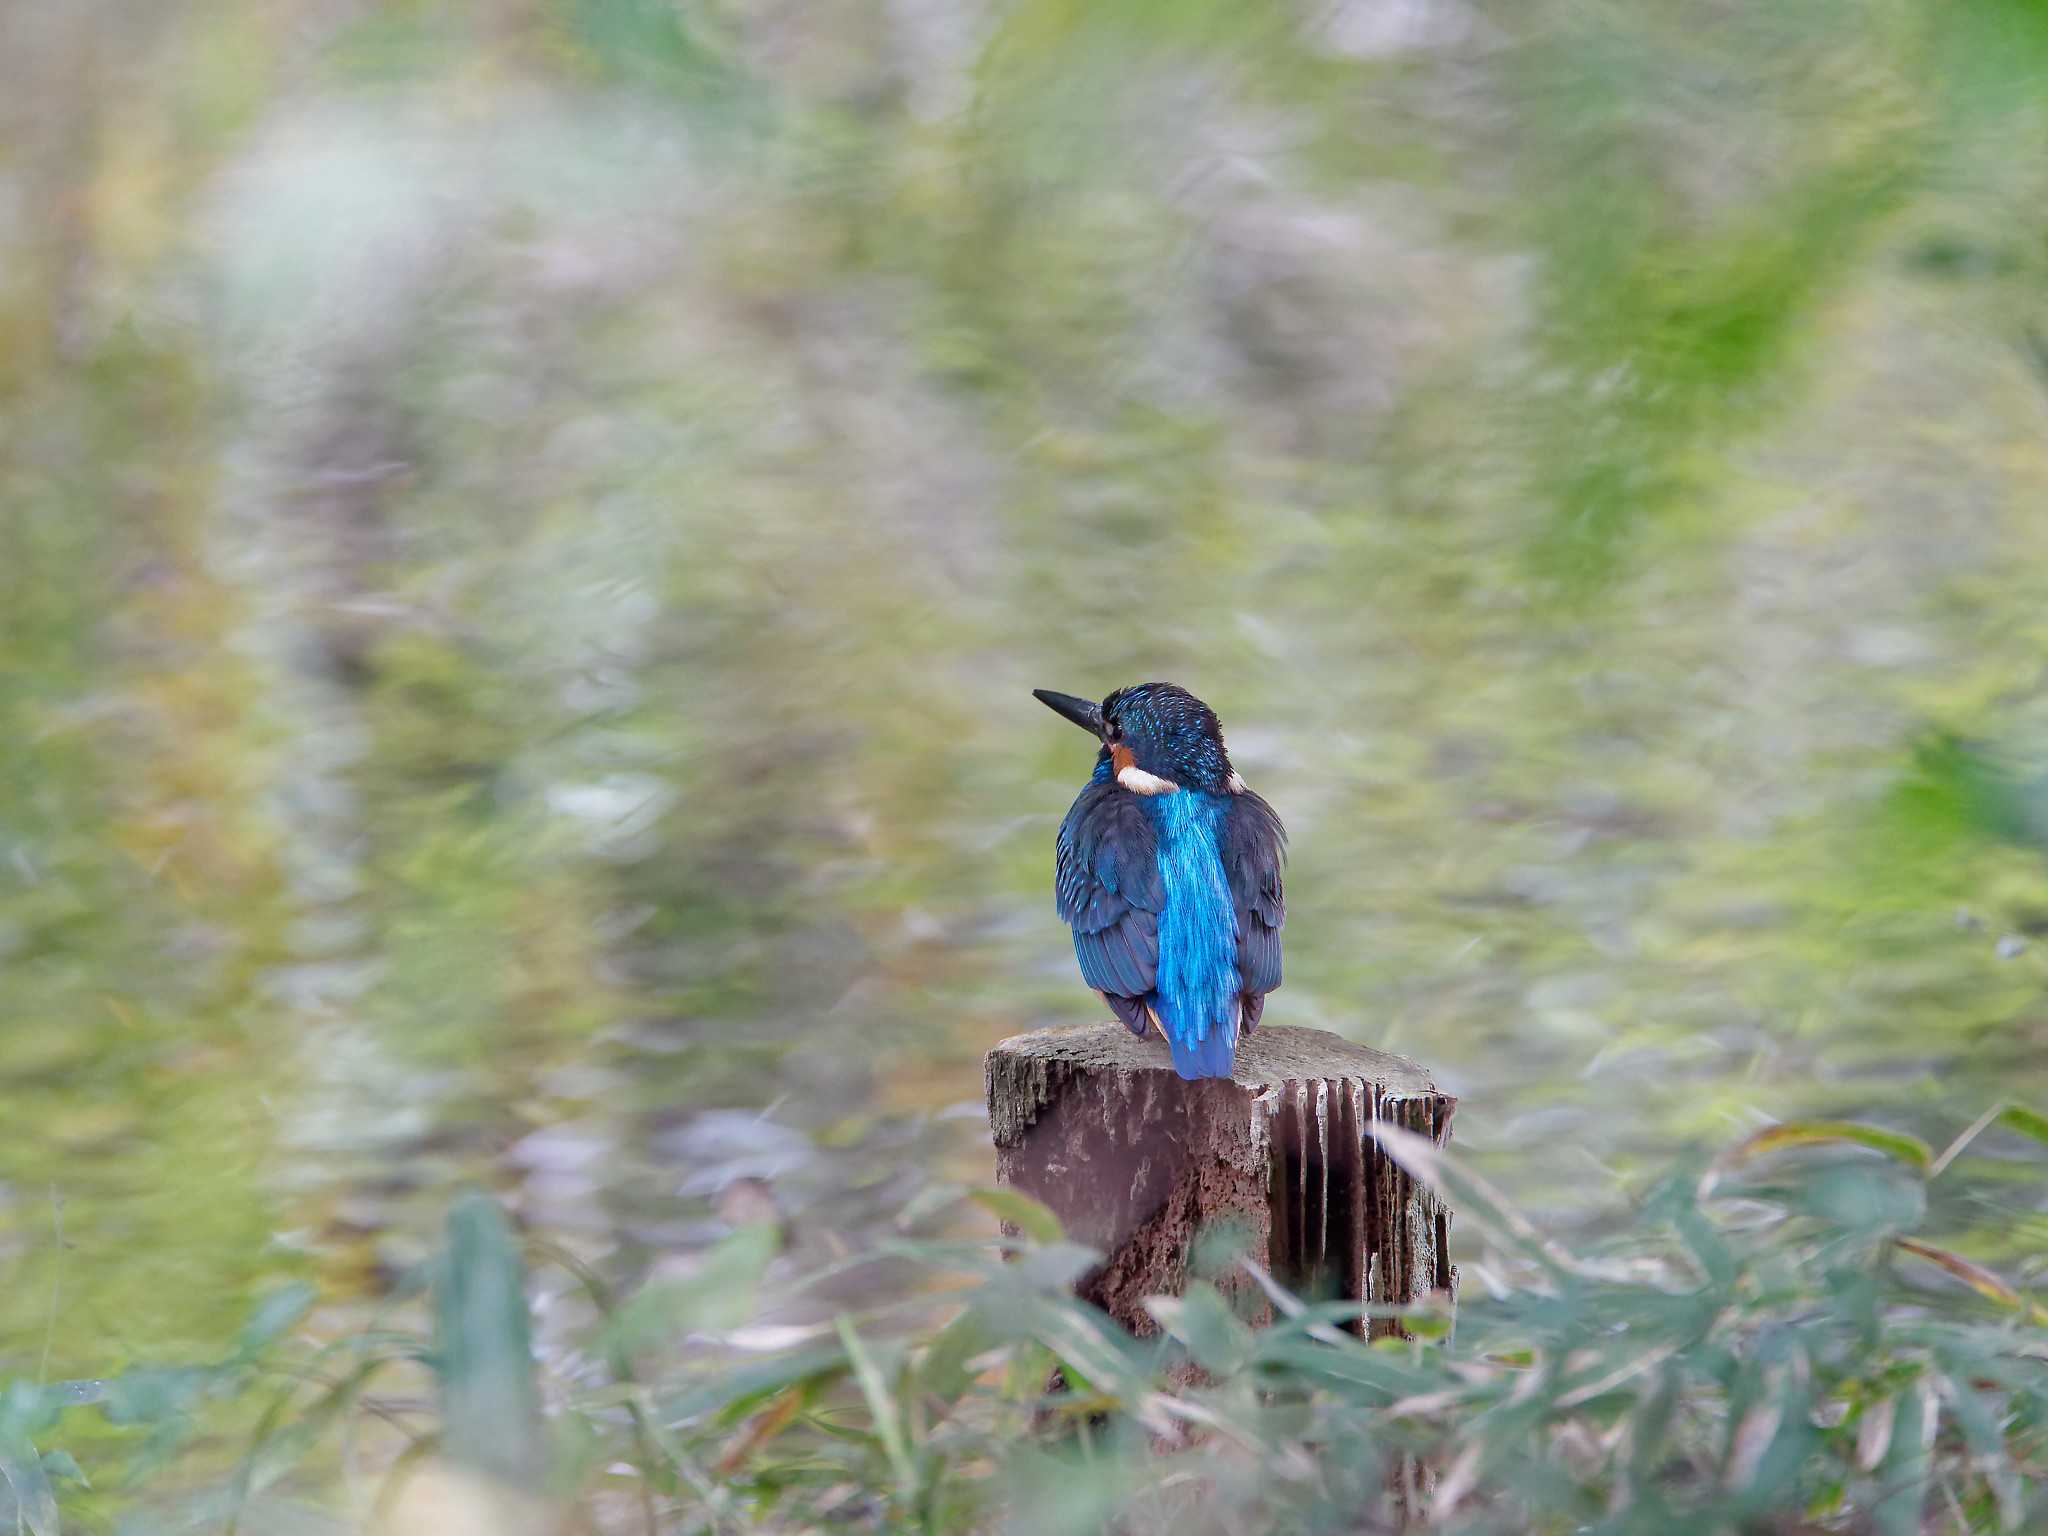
(1278, 1159)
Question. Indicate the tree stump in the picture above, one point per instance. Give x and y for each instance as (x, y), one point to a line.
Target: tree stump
(1141, 1165)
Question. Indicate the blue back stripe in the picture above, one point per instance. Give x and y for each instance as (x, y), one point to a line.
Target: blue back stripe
(1197, 977)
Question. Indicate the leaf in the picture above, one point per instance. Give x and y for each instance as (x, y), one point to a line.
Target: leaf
(1981, 1433)
(2014, 1117)
(763, 1427)
(64, 1467)
(719, 1295)
(1803, 1133)
(1473, 1198)
(944, 1374)
(1202, 1320)
(23, 1469)
(274, 1452)
(1090, 1348)
(152, 1396)
(882, 1408)
(1874, 1432)
(1650, 1431)
(277, 1314)
(72, 1394)
(1706, 1244)
(1460, 1480)
(1975, 1276)
(1053, 1268)
(927, 1202)
(1752, 1438)
(1016, 1209)
(26, 1410)
(490, 1403)
(732, 1391)
(1908, 1465)
(1865, 1197)
(2027, 1121)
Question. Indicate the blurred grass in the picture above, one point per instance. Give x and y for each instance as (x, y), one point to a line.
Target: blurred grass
(1770, 1341)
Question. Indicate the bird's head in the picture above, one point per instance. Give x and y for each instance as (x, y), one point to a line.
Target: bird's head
(1156, 737)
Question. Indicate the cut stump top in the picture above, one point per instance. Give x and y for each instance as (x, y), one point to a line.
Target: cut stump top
(1268, 1056)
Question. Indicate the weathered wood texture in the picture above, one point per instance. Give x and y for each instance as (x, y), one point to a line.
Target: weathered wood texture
(1139, 1164)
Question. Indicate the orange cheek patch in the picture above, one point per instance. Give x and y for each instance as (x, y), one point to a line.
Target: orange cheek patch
(1120, 758)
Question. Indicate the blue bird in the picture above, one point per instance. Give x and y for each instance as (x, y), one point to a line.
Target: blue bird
(1169, 873)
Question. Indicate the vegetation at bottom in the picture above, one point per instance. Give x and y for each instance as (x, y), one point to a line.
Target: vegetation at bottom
(1770, 1343)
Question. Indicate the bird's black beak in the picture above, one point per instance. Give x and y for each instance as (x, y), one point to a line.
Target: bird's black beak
(1085, 713)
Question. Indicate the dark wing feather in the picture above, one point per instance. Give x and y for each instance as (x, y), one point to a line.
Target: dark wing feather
(1254, 849)
(1108, 888)
(1131, 1010)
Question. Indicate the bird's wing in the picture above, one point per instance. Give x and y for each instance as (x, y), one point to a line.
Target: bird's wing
(1109, 889)
(1254, 849)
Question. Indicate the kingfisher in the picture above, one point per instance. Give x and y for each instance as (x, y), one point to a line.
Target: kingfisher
(1168, 870)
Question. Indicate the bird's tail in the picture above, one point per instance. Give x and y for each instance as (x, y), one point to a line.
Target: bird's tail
(1215, 1055)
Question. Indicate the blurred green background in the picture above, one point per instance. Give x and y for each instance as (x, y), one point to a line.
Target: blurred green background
(527, 528)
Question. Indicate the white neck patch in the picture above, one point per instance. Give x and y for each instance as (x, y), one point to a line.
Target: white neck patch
(1235, 784)
(1139, 782)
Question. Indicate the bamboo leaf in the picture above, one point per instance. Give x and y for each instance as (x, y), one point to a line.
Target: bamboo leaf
(762, 1428)
(1201, 1319)
(1017, 1209)
(275, 1316)
(2027, 1121)
(1475, 1200)
(732, 1391)
(1803, 1133)
(945, 1374)
(1908, 1465)
(1752, 1438)
(882, 1408)
(33, 1497)
(1874, 1432)
(490, 1402)
(1975, 1276)
(718, 1296)
(1086, 1345)
(1983, 1435)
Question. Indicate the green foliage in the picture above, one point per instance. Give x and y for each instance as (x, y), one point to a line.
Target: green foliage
(483, 1354)
(1019, 1210)
(28, 1477)
(1757, 1346)
(1957, 790)
(719, 1294)
(1748, 1349)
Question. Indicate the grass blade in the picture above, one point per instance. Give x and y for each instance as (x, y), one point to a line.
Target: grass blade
(490, 1404)
(1954, 1149)
(1805, 1133)
(882, 1407)
(23, 1469)
(1976, 1277)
